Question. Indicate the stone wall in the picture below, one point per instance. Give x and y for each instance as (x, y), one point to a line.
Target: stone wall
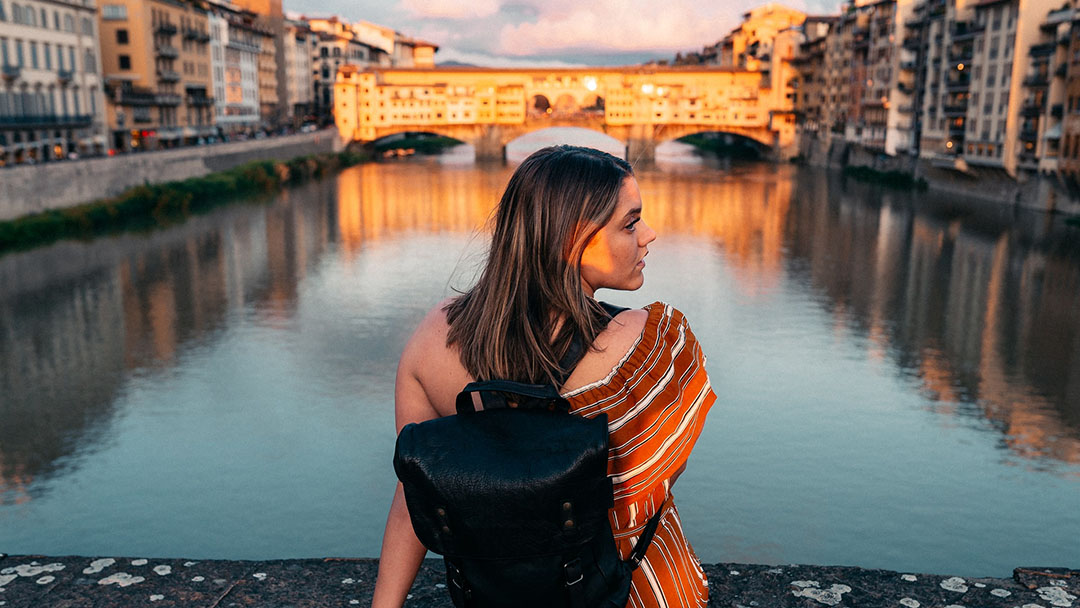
(28, 189)
(1041, 192)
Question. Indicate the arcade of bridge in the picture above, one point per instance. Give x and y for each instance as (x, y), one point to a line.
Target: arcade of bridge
(488, 107)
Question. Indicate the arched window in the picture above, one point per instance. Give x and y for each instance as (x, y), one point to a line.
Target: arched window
(16, 13)
(87, 27)
(69, 23)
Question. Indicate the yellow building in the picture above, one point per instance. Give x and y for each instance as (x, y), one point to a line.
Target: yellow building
(156, 60)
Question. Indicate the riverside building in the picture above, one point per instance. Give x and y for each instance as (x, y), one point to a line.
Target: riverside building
(236, 45)
(156, 60)
(300, 46)
(51, 103)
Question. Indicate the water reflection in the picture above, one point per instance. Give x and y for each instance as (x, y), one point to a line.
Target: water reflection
(975, 308)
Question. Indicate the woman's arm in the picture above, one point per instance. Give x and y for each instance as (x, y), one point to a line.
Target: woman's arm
(402, 553)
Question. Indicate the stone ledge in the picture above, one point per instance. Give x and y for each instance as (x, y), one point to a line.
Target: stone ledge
(38, 581)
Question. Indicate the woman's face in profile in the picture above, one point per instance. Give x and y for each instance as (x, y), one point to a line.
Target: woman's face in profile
(614, 258)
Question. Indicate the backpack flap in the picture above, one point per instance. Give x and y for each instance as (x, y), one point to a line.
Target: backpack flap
(505, 483)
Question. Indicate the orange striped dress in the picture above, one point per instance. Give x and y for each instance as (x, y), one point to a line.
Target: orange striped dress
(656, 400)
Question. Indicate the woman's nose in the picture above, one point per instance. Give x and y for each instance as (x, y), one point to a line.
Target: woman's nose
(647, 235)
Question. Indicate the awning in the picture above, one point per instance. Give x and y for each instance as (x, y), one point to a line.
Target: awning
(1053, 132)
(190, 132)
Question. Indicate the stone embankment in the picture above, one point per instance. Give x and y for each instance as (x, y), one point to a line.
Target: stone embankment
(38, 581)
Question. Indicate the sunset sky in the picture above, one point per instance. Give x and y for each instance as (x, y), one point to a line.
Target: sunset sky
(553, 32)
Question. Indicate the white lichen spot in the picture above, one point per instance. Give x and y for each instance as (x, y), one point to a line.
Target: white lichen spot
(910, 603)
(980, 585)
(954, 583)
(440, 586)
(1000, 593)
(138, 562)
(45, 580)
(1058, 583)
(1032, 606)
(1056, 596)
(98, 565)
(347, 581)
(156, 598)
(197, 579)
(36, 569)
(830, 597)
(954, 606)
(409, 596)
(775, 571)
(354, 602)
(7, 570)
(163, 570)
(911, 578)
(734, 573)
(259, 576)
(189, 564)
(122, 579)
(7, 578)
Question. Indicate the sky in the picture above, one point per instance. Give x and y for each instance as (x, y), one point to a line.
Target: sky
(507, 33)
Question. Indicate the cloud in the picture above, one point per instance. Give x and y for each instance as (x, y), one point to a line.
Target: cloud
(451, 9)
(447, 54)
(623, 25)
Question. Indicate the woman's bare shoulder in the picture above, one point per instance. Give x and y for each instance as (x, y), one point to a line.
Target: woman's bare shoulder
(435, 365)
(611, 346)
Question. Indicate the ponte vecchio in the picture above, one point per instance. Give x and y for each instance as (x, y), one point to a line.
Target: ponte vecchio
(639, 106)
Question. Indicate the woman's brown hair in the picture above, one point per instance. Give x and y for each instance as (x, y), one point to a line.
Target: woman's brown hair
(528, 306)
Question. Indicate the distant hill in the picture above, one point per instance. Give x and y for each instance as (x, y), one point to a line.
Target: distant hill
(455, 64)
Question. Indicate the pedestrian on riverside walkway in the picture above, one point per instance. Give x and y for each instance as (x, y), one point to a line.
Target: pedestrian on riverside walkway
(570, 223)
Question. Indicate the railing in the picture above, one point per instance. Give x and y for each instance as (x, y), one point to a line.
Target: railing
(1043, 50)
(963, 31)
(956, 130)
(1029, 134)
(1036, 80)
(200, 101)
(243, 46)
(955, 109)
(11, 72)
(168, 75)
(166, 28)
(1031, 108)
(136, 98)
(167, 99)
(164, 50)
(44, 120)
(65, 76)
(912, 44)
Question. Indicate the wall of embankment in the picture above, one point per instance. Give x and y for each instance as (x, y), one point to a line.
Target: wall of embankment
(29, 189)
(1039, 192)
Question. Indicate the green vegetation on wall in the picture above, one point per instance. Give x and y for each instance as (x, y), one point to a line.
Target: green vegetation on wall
(893, 179)
(153, 205)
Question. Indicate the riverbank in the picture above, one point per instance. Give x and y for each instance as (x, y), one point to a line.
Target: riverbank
(153, 205)
(40, 581)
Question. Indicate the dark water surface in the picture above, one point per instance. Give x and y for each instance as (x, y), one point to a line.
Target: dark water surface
(898, 375)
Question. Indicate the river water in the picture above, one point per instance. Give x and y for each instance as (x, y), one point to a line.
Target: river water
(898, 374)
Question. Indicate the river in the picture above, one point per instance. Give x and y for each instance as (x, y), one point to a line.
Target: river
(898, 374)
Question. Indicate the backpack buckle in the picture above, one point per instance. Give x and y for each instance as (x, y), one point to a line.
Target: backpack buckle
(574, 574)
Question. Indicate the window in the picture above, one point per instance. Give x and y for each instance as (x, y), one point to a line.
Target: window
(112, 12)
(46, 50)
(56, 20)
(71, 56)
(90, 62)
(4, 52)
(33, 55)
(87, 27)
(19, 53)
(16, 13)
(59, 57)
(3, 15)
(69, 23)
(121, 36)
(125, 62)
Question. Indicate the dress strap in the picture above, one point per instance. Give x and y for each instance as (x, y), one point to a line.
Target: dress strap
(576, 350)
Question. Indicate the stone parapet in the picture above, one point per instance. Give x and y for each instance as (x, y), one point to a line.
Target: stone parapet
(40, 581)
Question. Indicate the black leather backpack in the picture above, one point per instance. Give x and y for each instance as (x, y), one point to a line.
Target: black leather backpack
(515, 497)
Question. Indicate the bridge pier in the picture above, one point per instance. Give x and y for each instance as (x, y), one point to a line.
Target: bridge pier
(641, 145)
(488, 143)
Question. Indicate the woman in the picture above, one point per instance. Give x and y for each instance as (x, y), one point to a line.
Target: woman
(568, 224)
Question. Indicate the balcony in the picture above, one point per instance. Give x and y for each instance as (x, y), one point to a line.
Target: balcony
(1031, 108)
(164, 50)
(1029, 134)
(11, 72)
(131, 97)
(167, 99)
(1043, 50)
(43, 121)
(200, 102)
(963, 31)
(191, 34)
(958, 84)
(954, 109)
(960, 54)
(168, 76)
(243, 46)
(65, 76)
(166, 29)
(915, 22)
(1036, 81)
